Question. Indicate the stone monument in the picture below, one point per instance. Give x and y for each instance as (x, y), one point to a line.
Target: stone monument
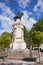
(18, 48)
(18, 42)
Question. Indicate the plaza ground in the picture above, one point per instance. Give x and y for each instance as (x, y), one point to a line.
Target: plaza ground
(21, 62)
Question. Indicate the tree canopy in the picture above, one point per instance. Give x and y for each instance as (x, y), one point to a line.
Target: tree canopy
(38, 26)
(5, 40)
(37, 33)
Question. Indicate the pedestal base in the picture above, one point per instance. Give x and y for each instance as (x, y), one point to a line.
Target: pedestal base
(18, 54)
(18, 45)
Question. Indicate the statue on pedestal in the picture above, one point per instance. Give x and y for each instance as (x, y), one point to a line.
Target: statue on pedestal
(18, 35)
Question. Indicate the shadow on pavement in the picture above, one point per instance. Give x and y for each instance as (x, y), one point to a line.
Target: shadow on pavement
(29, 59)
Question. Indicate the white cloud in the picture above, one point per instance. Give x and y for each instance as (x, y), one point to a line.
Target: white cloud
(6, 18)
(6, 24)
(39, 6)
(23, 3)
(28, 22)
(6, 11)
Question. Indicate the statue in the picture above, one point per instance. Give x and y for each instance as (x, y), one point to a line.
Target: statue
(18, 42)
(18, 16)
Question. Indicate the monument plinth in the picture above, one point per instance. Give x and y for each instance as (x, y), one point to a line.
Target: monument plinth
(18, 42)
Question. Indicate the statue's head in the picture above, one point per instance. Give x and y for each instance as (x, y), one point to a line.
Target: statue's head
(18, 16)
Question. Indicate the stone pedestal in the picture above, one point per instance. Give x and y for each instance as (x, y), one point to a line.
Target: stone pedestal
(18, 42)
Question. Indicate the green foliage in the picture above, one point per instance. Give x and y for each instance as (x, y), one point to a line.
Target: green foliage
(36, 37)
(41, 33)
(37, 33)
(26, 35)
(1, 43)
(38, 26)
(5, 40)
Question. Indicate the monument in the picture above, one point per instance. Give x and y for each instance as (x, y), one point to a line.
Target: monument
(18, 45)
(18, 42)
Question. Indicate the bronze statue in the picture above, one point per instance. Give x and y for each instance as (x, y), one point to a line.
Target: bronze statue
(18, 16)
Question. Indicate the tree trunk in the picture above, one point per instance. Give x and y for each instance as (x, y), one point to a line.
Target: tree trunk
(30, 51)
(39, 55)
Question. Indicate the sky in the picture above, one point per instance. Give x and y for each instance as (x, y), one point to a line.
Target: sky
(32, 9)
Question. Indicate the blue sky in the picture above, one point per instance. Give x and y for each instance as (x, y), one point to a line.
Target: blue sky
(32, 9)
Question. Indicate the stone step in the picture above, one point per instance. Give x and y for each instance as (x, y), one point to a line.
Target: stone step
(18, 55)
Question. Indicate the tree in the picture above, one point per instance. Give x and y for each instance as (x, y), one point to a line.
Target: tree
(7, 39)
(28, 40)
(36, 37)
(26, 36)
(1, 43)
(37, 34)
(38, 26)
